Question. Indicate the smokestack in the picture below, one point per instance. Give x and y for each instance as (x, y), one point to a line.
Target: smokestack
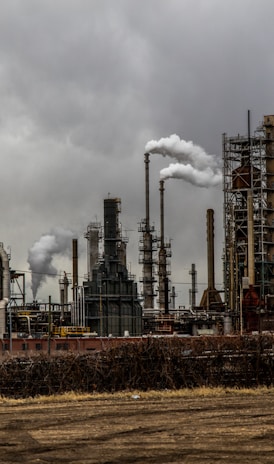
(163, 280)
(210, 295)
(148, 280)
(210, 249)
(162, 189)
(63, 283)
(74, 265)
(147, 191)
(193, 290)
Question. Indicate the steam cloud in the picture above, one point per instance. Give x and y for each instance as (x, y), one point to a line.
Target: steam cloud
(194, 164)
(40, 255)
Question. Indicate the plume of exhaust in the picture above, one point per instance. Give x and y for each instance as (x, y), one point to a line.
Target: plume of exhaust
(40, 255)
(193, 165)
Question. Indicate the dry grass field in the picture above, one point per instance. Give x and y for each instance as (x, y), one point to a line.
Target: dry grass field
(186, 426)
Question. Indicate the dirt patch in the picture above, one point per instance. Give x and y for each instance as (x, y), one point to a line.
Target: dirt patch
(225, 428)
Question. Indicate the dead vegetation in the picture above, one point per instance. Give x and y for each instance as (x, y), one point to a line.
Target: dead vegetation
(150, 364)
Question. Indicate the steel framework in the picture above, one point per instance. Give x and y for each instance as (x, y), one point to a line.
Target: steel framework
(248, 184)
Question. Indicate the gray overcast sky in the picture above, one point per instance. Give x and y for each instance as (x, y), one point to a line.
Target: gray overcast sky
(85, 84)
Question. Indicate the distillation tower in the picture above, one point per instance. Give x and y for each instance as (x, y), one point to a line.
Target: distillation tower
(164, 253)
(111, 300)
(147, 248)
(249, 226)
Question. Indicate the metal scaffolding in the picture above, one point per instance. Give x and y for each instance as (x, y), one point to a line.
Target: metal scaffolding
(248, 184)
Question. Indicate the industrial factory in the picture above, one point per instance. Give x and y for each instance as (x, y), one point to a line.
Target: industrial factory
(248, 176)
(111, 303)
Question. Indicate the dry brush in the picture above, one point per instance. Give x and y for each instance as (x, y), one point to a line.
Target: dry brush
(150, 364)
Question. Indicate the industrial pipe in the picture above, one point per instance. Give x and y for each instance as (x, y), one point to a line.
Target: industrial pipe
(250, 238)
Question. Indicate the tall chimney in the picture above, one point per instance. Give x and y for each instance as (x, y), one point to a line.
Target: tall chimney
(148, 280)
(147, 191)
(210, 249)
(163, 280)
(210, 296)
(193, 290)
(162, 217)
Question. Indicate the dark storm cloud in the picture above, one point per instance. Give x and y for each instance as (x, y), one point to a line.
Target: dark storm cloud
(84, 85)
(75, 70)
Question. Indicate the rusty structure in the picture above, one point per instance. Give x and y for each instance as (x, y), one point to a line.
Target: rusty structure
(211, 299)
(248, 184)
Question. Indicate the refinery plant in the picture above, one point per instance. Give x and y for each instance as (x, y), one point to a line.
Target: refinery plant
(248, 177)
(108, 303)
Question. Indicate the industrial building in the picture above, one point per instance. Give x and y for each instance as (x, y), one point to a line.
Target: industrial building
(112, 305)
(165, 317)
(107, 303)
(248, 166)
(247, 302)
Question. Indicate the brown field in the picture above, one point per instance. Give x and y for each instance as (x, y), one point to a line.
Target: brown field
(202, 426)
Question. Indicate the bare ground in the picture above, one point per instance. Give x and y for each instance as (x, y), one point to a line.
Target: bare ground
(223, 428)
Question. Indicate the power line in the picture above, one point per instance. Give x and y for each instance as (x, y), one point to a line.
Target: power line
(48, 274)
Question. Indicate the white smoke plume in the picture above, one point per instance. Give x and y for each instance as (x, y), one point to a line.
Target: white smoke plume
(194, 164)
(40, 255)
